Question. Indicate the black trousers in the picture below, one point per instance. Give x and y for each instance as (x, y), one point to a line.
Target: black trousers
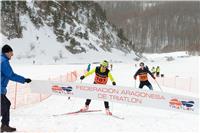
(5, 110)
(147, 83)
(106, 104)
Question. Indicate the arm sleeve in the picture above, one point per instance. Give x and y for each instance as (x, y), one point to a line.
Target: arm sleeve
(111, 77)
(8, 72)
(150, 73)
(90, 72)
(136, 73)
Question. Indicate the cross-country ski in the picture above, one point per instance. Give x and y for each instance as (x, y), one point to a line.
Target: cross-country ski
(117, 117)
(76, 112)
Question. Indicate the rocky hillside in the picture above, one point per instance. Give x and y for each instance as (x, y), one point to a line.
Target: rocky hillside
(76, 26)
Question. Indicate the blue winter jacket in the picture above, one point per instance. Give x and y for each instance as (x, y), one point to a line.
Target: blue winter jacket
(8, 74)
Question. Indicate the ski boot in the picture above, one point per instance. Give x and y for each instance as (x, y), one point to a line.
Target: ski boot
(108, 112)
(84, 108)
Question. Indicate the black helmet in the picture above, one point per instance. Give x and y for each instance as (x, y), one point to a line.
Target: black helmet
(141, 63)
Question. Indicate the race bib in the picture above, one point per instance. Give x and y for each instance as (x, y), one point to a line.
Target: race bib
(100, 80)
(143, 77)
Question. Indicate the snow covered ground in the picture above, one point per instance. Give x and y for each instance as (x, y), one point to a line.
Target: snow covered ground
(41, 46)
(38, 117)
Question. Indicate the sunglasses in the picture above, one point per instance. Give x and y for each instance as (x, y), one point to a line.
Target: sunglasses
(105, 66)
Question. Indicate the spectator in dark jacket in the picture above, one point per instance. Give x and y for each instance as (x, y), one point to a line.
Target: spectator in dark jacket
(6, 75)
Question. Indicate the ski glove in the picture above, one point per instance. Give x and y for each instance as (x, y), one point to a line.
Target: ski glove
(82, 77)
(114, 83)
(27, 80)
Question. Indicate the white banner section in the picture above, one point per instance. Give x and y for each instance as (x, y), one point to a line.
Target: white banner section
(119, 94)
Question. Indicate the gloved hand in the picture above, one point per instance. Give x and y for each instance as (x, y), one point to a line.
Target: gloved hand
(154, 77)
(82, 77)
(113, 83)
(28, 80)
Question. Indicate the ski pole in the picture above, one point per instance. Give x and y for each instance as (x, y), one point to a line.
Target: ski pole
(135, 84)
(158, 85)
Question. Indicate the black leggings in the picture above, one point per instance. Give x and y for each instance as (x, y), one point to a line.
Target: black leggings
(147, 83)
(5, 110)
(106, 104)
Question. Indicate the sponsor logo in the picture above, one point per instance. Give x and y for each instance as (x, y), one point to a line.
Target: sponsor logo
(68, 89)
(58, 89)
(184, 105)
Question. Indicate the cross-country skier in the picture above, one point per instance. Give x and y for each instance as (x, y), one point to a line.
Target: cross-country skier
(111, 67)
(157, 71)
(6, 75)
(153, 70)
(101, 77)
(142, 72)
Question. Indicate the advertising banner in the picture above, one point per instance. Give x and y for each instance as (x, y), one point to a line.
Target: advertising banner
(119, 94)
